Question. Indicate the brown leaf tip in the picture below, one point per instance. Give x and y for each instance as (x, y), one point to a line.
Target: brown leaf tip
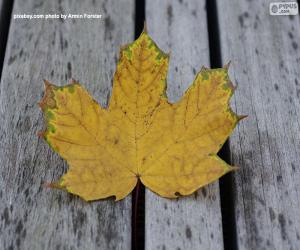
(241, 117)
(234, 168)
(56, 185)
(48, 98)
(73, 81)
(41, 134)
(145, 30)
(48, 185)
(168, 54)
(227, 65)
(203, 68)
(47, 83)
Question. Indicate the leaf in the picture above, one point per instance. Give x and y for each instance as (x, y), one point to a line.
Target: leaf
(171, 148)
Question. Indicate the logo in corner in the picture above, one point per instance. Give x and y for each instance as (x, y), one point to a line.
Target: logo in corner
(283, 9)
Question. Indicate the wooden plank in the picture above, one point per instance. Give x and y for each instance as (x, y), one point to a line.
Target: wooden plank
(192, 222)
(32, 217)
(265, 55)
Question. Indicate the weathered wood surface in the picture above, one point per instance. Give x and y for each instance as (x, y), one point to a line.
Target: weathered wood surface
(265, 54)
(192, 222)
(32, 217)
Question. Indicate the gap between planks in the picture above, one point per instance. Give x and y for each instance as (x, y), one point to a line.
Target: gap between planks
(5, 17)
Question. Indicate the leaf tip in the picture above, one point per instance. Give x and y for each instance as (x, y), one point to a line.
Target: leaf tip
(41, 134)
(241, 117)
(168, 54)
(49, 185)
(234, 168)
(203, 68)
(56, 184)
(47, 100)
(46, 185)
(226, 66)
(73, 81)
(145, 30)
(47, 83)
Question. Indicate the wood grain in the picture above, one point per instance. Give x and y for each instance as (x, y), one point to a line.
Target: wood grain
(192, 222)
(33, 217)
(265, 54)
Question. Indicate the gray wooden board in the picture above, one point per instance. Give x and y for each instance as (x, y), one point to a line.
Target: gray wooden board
(192, 222)
(265, 54)
(33, 217)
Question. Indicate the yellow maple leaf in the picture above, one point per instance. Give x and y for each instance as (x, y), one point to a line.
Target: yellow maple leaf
(171, 148)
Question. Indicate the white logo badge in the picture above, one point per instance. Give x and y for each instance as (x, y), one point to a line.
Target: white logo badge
(283, 8)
